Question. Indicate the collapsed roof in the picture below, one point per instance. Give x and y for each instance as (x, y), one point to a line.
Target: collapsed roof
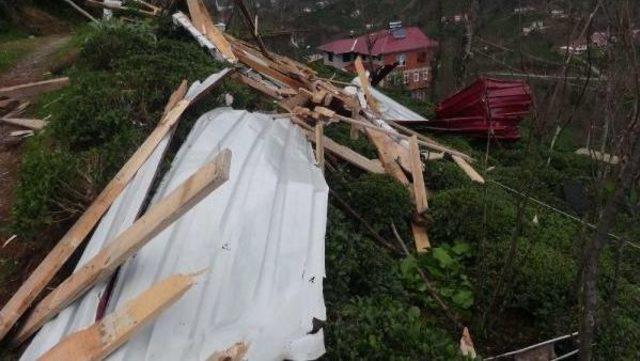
(259, 240)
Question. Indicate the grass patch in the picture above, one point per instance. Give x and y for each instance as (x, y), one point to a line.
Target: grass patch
(13, 48)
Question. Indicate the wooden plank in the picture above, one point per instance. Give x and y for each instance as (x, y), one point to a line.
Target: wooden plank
(24, 91)
(104, 337)
(599, 156)
(33, 124)
(364, 83)
(175, 97)
(162, 214)
(261, 87)
(319, 135)
(420, 237)
(348, 154)
(202, 21)
(428, 142)
(384, 144)
(468, 169)
(42, 275)
(419, 188)
(264, 67)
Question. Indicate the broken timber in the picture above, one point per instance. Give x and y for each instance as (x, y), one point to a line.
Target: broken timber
(475, 176)
(419, 188)
(33, 124)
(354, 158)
(162, 214)
(43, 274)
(29, 90)
(201, 19)
(104, 337)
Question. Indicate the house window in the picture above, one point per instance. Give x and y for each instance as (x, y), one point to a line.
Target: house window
(406, 78)
(401, 59)
(347, 57)
(330, 57)
(416, 77)
(422, 57)
(425, 75)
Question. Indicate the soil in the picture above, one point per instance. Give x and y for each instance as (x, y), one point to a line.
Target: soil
(18, 258)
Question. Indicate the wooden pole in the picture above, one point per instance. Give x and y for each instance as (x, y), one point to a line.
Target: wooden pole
(162, 214)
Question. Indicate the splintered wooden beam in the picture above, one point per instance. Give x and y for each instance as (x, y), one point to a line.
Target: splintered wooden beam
(33, 124)
(260, 86)
(468, 169)
(175, 97)
(384, 146)
(428, 142)
(41, 276)
(202, 21)
(104, 337)
(29, 90)
(347, 154)
(419, 188)
(162, 214)
(364, 83)
(319, 135)
(420, 237)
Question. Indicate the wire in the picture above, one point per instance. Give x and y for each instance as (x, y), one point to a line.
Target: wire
(592, 226)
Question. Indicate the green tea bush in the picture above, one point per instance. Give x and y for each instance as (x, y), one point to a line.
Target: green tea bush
(46, 174)
(382, 328)
(355, 265)
(340, 133)
(380, 199)
(118, 91)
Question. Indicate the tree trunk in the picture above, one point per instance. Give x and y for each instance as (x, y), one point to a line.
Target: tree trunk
(593, 249)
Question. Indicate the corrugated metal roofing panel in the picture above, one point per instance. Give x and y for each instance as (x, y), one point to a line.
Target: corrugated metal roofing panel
(260, 238)
(122, 213)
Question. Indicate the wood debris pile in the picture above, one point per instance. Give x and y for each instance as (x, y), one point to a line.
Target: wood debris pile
(314, 103)
(14, 100)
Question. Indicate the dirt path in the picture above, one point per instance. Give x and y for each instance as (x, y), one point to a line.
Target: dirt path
(17, 258)
(35, 66)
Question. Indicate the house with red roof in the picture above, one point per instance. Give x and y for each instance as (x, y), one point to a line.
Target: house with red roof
(409, 48)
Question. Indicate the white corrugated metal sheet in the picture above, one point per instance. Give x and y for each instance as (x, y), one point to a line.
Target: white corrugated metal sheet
(392, 110)
(259, 238)
(122, 213)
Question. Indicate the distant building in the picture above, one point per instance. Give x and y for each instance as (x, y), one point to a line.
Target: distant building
(410, 48)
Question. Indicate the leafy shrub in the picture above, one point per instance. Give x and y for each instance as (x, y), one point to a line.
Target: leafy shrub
(340, 132)
(446, 266)
(380, 199)
(355, 265)
(118, 91)
(442, 175)
(619, 335)
(383, 328)
(45, 176)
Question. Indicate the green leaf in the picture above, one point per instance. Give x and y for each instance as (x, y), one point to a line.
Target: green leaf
(443, 257)
(461, 248)
(463, 298)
